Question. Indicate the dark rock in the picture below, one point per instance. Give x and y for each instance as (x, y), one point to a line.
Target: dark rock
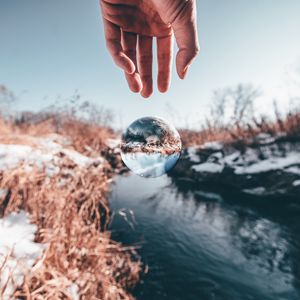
(268, 183)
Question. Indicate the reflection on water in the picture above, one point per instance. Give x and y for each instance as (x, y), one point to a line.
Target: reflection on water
(200, 246)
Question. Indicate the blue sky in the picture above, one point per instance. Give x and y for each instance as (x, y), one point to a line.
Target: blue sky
(51, 48)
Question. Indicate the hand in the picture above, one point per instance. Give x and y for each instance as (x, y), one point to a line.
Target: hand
(130, 26)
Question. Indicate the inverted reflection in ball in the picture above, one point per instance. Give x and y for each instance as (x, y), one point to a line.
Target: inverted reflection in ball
(150, 147)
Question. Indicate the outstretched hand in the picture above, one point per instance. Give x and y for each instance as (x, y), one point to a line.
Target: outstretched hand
(130, 26)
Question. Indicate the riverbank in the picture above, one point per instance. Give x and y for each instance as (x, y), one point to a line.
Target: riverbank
(265, 167)
(54, 182)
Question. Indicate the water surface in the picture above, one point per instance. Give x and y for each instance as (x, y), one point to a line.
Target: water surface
(201, 245)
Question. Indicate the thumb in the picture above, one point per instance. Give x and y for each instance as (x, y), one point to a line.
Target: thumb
(185, 31)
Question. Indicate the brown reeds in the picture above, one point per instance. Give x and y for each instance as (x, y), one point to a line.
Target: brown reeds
(71, 212)
(283, 127)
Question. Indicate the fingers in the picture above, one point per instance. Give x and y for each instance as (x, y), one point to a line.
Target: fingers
(185, 31)
(113, 43)
(145, 64)
(129, 43)
(164, 57)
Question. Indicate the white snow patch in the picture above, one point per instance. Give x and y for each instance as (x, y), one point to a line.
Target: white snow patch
(16, 240)
(271, 164)
(265, 138)
(215, 145)
(192, 154)
(113, 143)
(294, 170)
(49, 144)
(296, 183)
(74, 291)
(3, 193)
(12, 155)
(45, 156)
(208, 168)
(250, 162)
(255, 191)
(215, 156)
(232, 158)
(78, 158)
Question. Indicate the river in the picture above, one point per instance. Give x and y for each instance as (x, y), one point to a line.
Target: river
(199, 245)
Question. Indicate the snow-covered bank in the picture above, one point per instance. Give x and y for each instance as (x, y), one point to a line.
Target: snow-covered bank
(62, 180)
(43, 153)
(18, 251)
(268, 167)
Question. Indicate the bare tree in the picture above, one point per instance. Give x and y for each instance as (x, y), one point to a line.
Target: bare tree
(219, 109)
(6, 99)
(85, 111)
(233, 106)
(96, 114)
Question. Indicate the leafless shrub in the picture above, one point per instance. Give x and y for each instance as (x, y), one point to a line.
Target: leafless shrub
(233, 119)
(85, 111)
(7, 98)
(233, 107)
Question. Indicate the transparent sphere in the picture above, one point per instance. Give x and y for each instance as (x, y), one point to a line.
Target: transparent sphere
(150, 147)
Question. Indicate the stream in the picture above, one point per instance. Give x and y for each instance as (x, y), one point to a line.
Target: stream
(201, 245)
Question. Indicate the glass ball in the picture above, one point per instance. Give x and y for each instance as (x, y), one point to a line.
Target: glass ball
(150, 147)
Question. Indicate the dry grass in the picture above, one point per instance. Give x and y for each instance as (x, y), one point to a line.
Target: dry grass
(85, 136)
(71, 212)
(234, 118)
(288, 125)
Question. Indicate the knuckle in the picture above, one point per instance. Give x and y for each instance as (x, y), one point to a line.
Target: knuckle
(193, 52)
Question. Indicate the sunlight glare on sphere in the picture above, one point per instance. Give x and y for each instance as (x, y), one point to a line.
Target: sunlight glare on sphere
(150, 147)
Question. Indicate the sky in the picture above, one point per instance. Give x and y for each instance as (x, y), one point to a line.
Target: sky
(49, 49)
